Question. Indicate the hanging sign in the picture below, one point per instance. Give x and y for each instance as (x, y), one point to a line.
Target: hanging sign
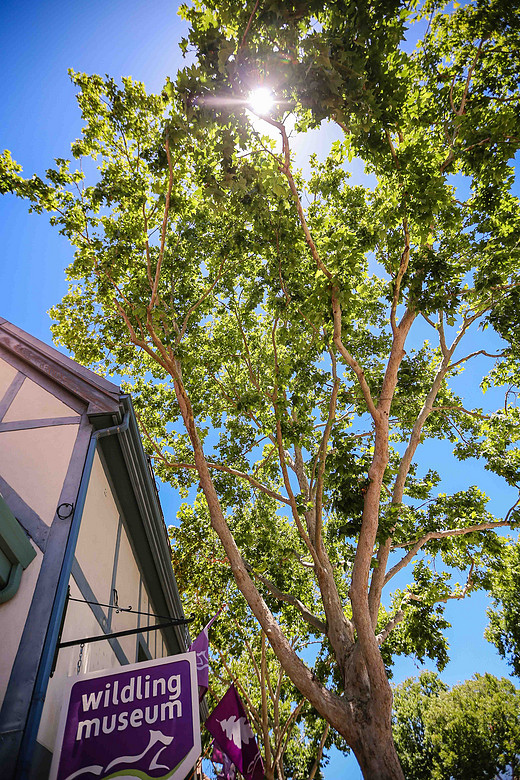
(140, 720)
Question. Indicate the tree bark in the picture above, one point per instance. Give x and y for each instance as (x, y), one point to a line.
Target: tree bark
(369, 700)
(363, 715)
(377, 756)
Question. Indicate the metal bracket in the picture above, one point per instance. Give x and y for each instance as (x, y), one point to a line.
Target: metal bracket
(142, 630)
(129, 632)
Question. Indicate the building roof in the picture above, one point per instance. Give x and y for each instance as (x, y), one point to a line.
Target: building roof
(98, 393)
(129, 467)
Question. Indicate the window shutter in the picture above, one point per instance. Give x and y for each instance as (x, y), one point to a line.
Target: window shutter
(16, 552)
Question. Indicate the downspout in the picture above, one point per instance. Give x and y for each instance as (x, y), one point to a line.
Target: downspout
(42, 678)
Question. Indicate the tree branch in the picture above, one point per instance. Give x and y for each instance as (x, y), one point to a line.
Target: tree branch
(403, 266)
(319, 753)
(164, 226)
(474, 354)
(286, 170)
(354, 365)
(323, 457)
(416, 546)
(311, 619)
(199, 302)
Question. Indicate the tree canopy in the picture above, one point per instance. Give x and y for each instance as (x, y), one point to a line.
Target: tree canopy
(471, 732)
(295, 344)
(504, 623)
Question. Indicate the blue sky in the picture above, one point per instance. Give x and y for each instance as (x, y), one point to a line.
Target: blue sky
(39, 119)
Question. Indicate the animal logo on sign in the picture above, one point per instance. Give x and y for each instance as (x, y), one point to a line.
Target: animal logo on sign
(156, 737)
(237, 729)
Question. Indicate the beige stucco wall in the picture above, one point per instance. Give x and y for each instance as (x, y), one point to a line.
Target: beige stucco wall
(34, 462)
(32, 402)
(12, 619)
(7, 374)
(95, 553)
(97, 536)
(127, 586)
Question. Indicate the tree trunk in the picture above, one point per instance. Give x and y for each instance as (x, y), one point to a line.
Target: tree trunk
(377, 756)
(373, 744)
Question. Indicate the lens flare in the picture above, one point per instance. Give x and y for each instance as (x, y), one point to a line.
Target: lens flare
(261, 101)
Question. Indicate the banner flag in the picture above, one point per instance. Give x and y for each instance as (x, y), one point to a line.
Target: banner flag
(229, 726)
(228, 768)
(200, 646)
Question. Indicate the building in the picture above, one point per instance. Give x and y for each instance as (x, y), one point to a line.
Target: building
(81, 533)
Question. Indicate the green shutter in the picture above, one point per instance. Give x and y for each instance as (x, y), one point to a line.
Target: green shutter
(16, 552)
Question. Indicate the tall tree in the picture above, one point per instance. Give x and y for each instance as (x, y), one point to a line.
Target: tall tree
(278, 330)
(291, 735)
(471, 732)
(504, 616)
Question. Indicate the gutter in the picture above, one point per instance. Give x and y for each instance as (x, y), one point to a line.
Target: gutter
(140, 473)
(49, 648)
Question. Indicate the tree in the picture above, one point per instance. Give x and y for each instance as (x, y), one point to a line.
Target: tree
(471, 732)
(504, 616)
(277, 329)
(291, 735)
(412, 739)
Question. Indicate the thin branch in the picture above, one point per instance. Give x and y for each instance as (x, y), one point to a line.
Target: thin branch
(249, 650)
(234, 473)
(164, 226)
(199, 302)
(319, 753)
(466, 589)
(474, 354)
(282, 458)
(287, 728)
(428, 320)
(286, 170)
(349, 359)
(315, 622)
(392, 149)
(252, 709)
(470, 412)
(265, 723)
(147, 249)
(416, 546)
(217, 466)
(248, 25)
(460, 111)
(249, 364)
(305, 564)
(469, 77)
(400, 614)
(403, 266)
(397, 618)
(323, 457)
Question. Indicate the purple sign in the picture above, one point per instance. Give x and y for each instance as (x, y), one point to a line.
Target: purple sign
(141, 720)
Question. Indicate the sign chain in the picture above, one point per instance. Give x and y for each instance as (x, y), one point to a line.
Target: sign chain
(78, 668)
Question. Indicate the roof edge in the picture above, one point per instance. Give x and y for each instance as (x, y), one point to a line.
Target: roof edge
(141, 475)
(98, 393)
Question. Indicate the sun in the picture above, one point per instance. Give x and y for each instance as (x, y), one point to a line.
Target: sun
(261, 101)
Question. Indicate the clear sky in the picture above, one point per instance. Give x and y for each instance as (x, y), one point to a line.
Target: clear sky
(39, 118)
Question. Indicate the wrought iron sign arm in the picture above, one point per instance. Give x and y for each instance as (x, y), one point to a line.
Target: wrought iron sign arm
(129, 632)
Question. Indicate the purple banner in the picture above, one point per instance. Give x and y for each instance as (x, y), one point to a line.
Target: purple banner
(141, 720)
(229, 727)
(200, 645)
